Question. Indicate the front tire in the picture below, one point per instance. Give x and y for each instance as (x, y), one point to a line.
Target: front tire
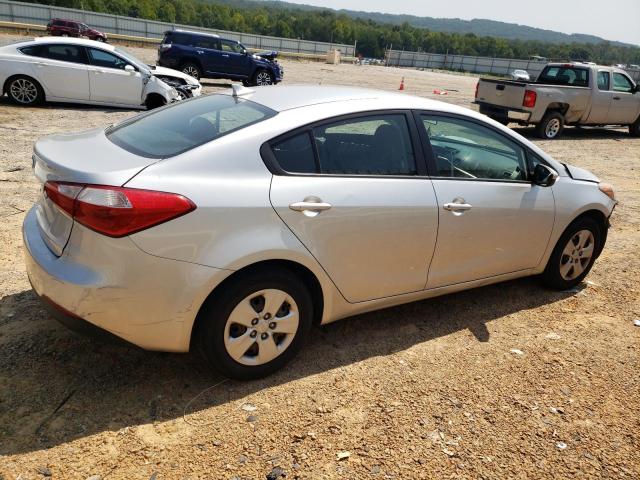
(550, 126)
(262, 78)
(573, 255)
(23, 90)
(255, 324)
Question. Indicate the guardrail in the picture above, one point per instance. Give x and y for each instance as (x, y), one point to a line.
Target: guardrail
(33, 13)
(472, 64)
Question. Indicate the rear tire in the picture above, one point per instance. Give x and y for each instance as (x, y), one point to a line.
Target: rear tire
(243, 341)
(23, 90)
(573, 255)
(551, 126)
(634, 128)
(192, 69)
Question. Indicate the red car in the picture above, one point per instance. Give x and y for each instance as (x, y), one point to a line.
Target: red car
(71, 28)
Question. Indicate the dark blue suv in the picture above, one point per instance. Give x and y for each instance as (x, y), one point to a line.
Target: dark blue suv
(206, 55)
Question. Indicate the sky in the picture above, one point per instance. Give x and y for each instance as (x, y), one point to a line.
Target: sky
(618, 20)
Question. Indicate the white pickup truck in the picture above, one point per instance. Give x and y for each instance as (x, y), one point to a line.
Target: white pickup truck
(564, 94)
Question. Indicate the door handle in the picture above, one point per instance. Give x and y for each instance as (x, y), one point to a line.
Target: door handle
(316, 207)
(616, 98)
(457, 207)
(225, 55)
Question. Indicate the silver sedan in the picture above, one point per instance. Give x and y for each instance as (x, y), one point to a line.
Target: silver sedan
(235, 222)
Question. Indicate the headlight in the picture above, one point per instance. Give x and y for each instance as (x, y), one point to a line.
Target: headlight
(607, 189)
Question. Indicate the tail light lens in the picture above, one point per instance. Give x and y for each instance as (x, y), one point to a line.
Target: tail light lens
(530, 98)
(477, 86)
(117, 211)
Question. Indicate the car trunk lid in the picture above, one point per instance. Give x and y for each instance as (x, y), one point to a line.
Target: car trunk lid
(87, 158)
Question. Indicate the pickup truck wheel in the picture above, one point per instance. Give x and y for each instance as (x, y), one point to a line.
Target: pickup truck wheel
(192, 69)
(634, 128)
(551, 126)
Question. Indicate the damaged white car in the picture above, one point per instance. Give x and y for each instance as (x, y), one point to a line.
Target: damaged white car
(78, 70)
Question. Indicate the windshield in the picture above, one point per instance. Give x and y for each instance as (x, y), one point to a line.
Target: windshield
(173, 130)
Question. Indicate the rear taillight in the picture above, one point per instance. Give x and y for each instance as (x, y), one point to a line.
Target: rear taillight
(116, 211)
(164, 47)
(530, 98)
(477, 86)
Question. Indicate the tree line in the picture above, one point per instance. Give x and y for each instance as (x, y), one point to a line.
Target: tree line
(330, 26)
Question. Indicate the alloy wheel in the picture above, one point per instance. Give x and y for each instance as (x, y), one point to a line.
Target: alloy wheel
(577, 255)
(24, 91)
(261, 327)
(191, 71)
(263, 78)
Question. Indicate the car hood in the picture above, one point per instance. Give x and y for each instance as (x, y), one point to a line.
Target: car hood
(169, 72)
(578, 173)
(267, 55)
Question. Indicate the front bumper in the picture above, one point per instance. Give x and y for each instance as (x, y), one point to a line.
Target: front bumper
(110, 283)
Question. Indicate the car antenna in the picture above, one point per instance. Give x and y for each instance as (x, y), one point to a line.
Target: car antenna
(240, 90)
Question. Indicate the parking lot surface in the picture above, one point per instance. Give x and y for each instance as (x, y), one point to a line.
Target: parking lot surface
(506, 381)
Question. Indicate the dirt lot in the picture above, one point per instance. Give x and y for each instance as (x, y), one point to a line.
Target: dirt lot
(426, 390)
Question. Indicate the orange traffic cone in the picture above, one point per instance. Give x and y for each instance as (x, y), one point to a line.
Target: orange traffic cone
(401, 84)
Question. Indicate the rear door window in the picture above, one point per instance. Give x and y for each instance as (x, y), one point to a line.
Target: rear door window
(372, 145)
(64, 53)
(295, 154)
(207, 42)
(170, 131)
(33, 50)
(603, 81)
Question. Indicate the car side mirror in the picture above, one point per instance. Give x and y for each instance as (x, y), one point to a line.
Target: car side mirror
(130, 69)
(544, 176)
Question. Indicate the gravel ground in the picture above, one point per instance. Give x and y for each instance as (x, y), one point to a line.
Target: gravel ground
(506, 381)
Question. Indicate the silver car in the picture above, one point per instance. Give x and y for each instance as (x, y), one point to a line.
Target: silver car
(235, 222)
(521, 75)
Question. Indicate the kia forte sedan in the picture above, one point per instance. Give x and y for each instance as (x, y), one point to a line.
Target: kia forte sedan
(85, 71)
(234, 222)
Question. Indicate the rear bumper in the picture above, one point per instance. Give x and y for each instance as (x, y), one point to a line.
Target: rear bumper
(504, 113)
(114, 286)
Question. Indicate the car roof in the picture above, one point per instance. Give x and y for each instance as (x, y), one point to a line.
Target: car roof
(288, 97)
(74, 41)
(191, 32)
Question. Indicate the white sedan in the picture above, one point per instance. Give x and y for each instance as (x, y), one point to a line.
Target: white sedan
(85, 71)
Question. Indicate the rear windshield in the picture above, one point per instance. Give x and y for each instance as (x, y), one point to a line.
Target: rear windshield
(565, 75)
(186, 125)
